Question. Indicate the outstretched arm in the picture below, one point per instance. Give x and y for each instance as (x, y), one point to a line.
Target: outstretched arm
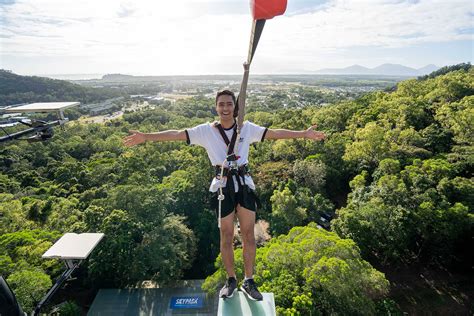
(137, 137)
(310, 133)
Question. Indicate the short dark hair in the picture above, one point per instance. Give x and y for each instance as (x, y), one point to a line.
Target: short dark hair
(228, 92)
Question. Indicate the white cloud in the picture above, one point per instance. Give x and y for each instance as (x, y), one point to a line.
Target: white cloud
(374, 23)
(178, 37)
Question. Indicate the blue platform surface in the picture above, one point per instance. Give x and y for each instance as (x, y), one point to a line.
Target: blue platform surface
(239, 305)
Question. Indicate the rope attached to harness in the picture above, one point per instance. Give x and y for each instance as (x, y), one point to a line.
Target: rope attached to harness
(261, 12)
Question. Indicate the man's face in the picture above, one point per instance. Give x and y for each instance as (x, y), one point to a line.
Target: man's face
(225, 107)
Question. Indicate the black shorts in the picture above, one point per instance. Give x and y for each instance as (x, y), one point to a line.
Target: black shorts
(246, 197)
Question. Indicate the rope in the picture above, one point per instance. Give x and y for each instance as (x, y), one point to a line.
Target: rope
(221, 196)
(257, 28)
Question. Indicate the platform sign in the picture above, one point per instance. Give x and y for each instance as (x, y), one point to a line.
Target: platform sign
(181, 302)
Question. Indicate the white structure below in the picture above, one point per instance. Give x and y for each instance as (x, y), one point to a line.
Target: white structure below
(73, 246)
(42, 107)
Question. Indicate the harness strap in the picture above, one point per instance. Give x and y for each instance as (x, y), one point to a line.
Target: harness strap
(230, 144)
(231, 157)
(243, 170)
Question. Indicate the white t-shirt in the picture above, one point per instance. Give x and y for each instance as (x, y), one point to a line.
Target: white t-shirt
(208, 136)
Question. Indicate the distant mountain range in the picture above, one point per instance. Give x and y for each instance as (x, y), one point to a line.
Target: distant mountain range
(385, 69)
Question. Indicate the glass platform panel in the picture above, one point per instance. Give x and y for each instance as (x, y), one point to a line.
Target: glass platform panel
(240, 305)
(189, 301)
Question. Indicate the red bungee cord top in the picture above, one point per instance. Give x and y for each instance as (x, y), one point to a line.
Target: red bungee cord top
(267, 9)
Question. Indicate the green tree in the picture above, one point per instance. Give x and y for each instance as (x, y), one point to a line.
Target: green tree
(29, 287)
(408, 215)
(133, 251)
(286, 213)
(116, 260)
(70, 308)
(369, 147)
(312, 271)
(310, 174)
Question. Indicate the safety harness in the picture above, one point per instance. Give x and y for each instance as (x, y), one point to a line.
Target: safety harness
(232, 170)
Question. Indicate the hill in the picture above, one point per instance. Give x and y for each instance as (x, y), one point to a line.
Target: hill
(385, 69)
(16, 89)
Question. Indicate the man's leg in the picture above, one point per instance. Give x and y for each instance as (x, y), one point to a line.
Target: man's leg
(247, 224)
(227, 253)
(227, 243)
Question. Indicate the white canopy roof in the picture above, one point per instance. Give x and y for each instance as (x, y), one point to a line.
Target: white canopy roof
(74, 246)
(42, 107)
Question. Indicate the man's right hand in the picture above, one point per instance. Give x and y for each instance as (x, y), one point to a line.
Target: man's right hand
(136, 138)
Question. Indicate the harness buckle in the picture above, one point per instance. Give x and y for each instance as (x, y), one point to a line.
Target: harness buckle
(232, 157)
(232, 161)
(233, 166)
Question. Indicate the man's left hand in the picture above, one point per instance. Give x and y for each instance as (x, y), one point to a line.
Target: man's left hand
(310, 133)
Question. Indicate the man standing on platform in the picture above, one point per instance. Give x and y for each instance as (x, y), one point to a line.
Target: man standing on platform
(233, 194)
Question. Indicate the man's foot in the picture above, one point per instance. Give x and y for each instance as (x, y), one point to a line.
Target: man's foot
(229, 288)
(250, 289)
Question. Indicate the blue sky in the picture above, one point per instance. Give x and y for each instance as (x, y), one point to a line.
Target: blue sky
(158, 37)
